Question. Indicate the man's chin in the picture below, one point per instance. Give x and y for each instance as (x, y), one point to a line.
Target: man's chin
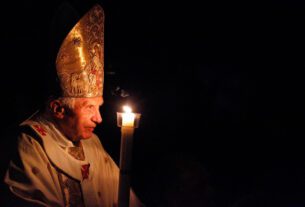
(87, 135)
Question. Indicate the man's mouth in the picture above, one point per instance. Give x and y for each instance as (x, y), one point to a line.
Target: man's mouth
(91, 128)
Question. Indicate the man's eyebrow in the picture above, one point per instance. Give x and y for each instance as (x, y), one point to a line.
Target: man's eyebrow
(85, 103)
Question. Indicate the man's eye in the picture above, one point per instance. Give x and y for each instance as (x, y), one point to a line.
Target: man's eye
(91, 107)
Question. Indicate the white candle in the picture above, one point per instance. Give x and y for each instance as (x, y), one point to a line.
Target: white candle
(128, 120)
(127, 117)
(126, 138)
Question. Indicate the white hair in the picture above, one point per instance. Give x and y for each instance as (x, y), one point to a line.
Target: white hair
(68, 102)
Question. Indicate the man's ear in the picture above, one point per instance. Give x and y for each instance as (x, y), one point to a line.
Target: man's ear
(57, 109)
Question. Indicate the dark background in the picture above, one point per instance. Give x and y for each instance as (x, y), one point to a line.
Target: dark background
(219, 84)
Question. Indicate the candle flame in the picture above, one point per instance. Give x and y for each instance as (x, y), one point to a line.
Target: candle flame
(127, 109)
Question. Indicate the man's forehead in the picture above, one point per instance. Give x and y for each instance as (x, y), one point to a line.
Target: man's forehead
(87, 101)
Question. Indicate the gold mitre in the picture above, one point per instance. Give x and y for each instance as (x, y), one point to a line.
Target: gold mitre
(80, 60)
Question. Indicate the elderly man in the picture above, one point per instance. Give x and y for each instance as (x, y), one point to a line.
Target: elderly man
(59, 160)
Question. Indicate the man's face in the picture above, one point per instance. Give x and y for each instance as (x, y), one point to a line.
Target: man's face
(80, 122)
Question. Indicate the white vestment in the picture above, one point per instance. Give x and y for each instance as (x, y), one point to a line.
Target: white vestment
(43, 161)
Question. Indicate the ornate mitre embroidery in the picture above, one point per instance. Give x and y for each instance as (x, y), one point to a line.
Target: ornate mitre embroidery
(80, 60)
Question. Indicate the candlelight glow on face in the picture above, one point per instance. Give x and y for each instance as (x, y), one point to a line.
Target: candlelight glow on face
(128, 117)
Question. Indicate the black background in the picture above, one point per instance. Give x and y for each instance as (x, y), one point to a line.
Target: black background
(219, 84)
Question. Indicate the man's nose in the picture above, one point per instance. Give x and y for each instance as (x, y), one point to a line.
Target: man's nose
(97, 118)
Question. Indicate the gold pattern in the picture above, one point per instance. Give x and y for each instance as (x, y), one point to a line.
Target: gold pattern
(77, 152)
(80, 60)
(71, 190)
